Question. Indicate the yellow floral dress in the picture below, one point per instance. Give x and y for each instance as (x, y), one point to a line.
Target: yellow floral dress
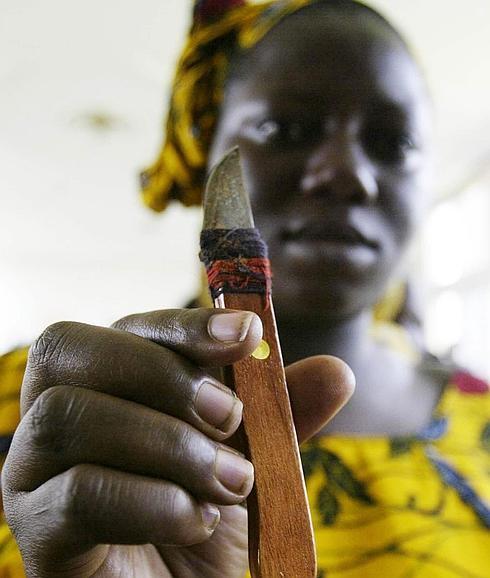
(415, 506)
(406, 507)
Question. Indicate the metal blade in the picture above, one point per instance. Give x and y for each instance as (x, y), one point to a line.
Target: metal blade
(226, 202)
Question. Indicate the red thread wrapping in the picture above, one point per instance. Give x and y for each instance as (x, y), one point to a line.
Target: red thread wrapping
(240, 275)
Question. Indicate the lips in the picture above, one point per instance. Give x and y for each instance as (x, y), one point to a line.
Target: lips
(328, 232)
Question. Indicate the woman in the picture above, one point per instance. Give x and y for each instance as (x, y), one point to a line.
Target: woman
(123, 442)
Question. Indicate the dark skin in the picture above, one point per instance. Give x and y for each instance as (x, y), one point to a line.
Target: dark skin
(117, 468)
(336, 155)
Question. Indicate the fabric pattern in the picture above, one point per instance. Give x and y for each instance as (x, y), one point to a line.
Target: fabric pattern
(415, 506)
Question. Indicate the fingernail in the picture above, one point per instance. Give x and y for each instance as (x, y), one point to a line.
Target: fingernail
(218, 407)
(230, 327)
(210, 516)
(234, 472)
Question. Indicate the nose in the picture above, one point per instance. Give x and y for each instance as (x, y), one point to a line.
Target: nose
(338, 168)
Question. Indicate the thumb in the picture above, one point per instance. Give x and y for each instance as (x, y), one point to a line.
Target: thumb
(318, 388)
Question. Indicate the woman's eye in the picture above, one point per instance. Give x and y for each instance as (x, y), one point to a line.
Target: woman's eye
(283, 133)
(402, 142)
(389, 146)
(269, 130)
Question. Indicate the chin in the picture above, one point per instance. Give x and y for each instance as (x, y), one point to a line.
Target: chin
(330, 289)
(332, 303)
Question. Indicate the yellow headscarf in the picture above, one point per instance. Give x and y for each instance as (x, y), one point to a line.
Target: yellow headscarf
(219, 28)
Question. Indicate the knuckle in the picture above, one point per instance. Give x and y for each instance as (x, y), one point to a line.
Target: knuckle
(47, 358)
(5, 482)
(49, 417)
(202, 451)
(71, 500)
(171, 443)
(178, 502)
(47, 348)
(182, 318)
(125, 323)
(167, 327)
(183, 442)
(164, 326)
(187, 528)
(191, 453)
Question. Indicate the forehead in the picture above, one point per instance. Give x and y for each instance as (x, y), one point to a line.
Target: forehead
(325, 55)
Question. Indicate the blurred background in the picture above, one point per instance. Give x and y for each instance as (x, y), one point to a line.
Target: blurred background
(83, 87)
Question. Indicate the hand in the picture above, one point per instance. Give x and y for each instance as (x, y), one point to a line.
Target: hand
(120, 465)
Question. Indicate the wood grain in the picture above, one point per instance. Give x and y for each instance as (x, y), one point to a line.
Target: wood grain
(281, 543)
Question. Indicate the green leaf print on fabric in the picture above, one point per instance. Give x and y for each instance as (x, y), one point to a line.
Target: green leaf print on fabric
(342, 476)
(485, 437)
(328, 506)
(310, 459)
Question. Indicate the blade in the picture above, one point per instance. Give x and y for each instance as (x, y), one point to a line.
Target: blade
(226, 202)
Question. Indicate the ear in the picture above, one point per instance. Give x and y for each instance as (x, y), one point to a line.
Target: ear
(209, 10)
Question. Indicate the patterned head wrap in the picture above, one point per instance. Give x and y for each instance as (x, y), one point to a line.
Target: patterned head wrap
(219, 28)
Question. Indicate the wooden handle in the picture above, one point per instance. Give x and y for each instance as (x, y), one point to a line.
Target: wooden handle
(281, 543)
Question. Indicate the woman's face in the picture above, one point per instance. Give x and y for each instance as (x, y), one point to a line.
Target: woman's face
(332, 120)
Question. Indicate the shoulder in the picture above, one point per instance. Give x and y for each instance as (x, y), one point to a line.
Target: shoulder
(465, 406)
(468, 384)
(464, 389)
(455, 379)
(464, 393)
